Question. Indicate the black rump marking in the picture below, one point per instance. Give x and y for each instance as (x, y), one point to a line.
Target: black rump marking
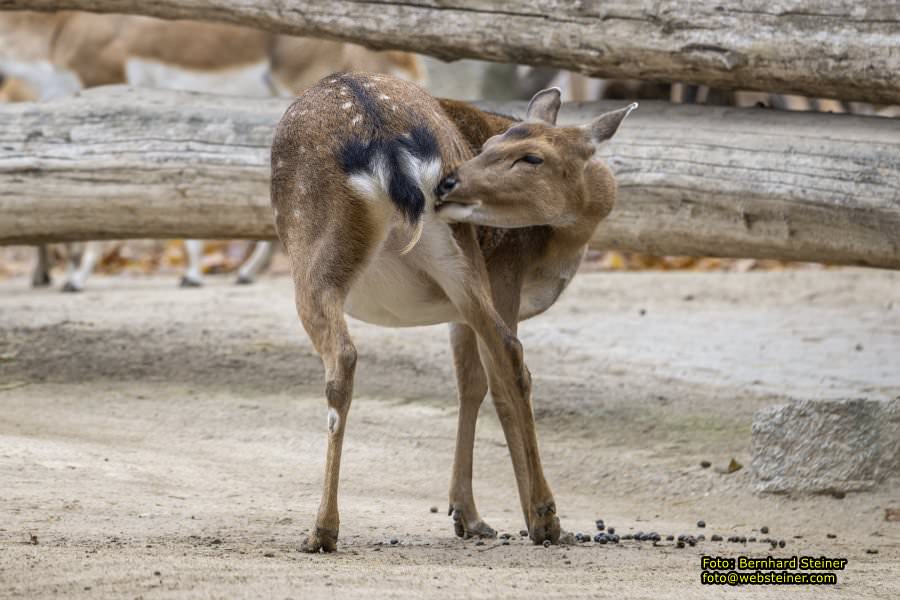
(370, 109)
(359, 155)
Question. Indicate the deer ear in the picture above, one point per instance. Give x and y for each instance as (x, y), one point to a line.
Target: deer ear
(605, 126)
(544, 106)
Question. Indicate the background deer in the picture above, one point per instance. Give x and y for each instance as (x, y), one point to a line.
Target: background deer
(47, 55)
(386, 214)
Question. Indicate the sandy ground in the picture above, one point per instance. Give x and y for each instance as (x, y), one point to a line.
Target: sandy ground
(166, 443)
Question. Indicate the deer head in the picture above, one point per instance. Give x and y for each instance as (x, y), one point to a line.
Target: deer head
(534, 173)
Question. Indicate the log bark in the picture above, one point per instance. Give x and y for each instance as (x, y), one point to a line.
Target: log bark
(710, 181)
(822, 48)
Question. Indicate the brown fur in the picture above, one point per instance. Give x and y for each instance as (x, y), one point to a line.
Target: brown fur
(97, 48)
(332, 235)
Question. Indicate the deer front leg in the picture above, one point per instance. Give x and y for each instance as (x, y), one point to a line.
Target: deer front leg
(510, 384)
(472, 386)
(321, 311)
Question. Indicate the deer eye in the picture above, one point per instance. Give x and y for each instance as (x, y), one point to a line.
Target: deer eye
(531, 159)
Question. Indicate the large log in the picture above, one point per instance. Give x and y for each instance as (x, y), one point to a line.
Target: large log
(121, 163)
(824, 48)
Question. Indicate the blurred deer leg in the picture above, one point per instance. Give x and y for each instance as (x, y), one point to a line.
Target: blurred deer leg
(259, 260)
(81, 265)
(40, 276)
(193, 276)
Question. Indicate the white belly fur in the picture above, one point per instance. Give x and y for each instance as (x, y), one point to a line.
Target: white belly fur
(394, 291)
(245, 80)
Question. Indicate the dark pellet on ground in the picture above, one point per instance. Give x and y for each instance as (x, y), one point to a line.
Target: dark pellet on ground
(716, 537)
(639, 536)
(478, 543)
(751, 539)
(433, 509)
(505, 536)
(743, 539)
(701, 538)
(642, 312)
(679, 544)
(670, 537)
(504, 543)
(614, 538)
(269, 555)
(681, 537)
(764, 529)
(157, 573)
(600, 524)
(830, 536)
(701, 524)
(798, 537)
(523, 532)
(546, 543)
(627, 536)
(871, 551)
(782, 543)
(600, 538)
(394, 541)
(691, 541)
(610, 530)
(705, 464)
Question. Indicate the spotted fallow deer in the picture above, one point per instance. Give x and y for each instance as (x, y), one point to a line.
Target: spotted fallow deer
(386, 214)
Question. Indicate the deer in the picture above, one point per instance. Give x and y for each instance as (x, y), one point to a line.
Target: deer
(402, 210)
(49, 55)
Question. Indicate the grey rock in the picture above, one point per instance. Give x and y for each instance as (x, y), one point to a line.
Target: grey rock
(825, 446)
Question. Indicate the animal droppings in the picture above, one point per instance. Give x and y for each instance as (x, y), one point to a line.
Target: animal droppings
(716, 537)
(764, 529)
(546, 543)
(701, 524)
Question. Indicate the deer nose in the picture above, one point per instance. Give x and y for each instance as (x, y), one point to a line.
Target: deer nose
(447, 185)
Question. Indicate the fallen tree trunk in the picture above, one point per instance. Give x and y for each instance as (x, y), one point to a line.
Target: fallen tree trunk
(823, 48)
(121, 163)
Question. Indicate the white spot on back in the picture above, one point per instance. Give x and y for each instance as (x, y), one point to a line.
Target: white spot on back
(384, 97)
(346, 105)
(297, 213)
(356, 119)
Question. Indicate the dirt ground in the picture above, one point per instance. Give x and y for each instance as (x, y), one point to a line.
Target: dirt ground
(167, 443)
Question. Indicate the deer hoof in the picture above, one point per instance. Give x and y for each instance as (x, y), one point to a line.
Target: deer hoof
(545, 525)
(478, 529)
(70, 287)
(187, 282)
(244, 280)
(41, 279)
(323, 540)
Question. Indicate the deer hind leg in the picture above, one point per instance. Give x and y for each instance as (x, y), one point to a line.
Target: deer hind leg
(472, 386)
(322, 313)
